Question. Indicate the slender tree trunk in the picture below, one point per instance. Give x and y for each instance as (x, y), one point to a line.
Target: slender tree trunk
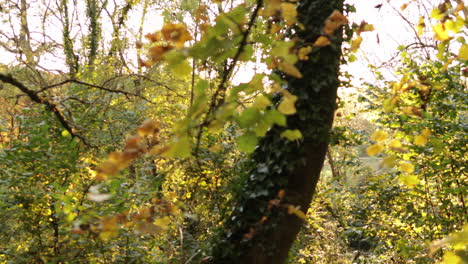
(284, 174)
(93, 12)
(24, 36)
(71, 57)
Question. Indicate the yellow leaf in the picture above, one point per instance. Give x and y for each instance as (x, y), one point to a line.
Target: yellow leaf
(440, 32)
(289, 13)
(295, 210)
(403, 7)
(395, 143)
(271, 7)
(163, 222)
(287, 104)
(375, 149)
(148, 127)
(322, 41)
(451, 258)
(333, 22)
(261, 102)
(181, 69)
(356, 43)
(420, 140)
(303, 52)
(389, 161)
(409, 180)
(463, 53)
(379, 136)
(406, 167)
(290, 69)
(421, 25)
(176, 33)
(426, 132)
(292, 134)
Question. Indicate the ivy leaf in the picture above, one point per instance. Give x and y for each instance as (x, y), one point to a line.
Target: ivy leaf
(291, 134)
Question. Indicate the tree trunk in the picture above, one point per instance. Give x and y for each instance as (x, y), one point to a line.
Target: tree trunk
(259, 229)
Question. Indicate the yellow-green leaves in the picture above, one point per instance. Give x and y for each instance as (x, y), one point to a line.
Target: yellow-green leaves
(292, 134)
(178, 148)
(287, 106)
(406, 167)
(290, 69)
(458, 243)
(440, 32)
(249, 117)
(408, 180)
(376, 148)
(273, 116)
(289, 13)
(261, 102)
(422, 138)
(463, 52)
(356, 43)
(247, 142)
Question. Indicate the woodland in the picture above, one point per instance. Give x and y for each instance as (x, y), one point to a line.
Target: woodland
(232, 131)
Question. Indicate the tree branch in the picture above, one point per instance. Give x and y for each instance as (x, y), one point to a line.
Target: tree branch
(7, 78)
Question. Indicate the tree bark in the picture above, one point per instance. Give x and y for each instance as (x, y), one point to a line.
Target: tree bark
(259, 228)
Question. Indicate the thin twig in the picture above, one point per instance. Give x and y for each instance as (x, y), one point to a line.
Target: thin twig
(49, 105)
(215, 102)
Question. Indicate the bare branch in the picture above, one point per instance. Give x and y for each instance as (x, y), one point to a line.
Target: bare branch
(6, 78)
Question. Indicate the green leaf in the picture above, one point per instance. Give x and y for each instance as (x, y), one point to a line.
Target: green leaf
(247, 142)
(261, 102)
(273, 116)
(261, 128)
(249, 117)
(292, 134)
(181, 69)
(281, 48)
(179, 148)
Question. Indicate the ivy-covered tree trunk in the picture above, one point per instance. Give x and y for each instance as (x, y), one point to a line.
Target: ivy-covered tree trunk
(262, 225)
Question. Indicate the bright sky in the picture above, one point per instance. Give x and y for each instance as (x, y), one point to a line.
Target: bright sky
(378, 46)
